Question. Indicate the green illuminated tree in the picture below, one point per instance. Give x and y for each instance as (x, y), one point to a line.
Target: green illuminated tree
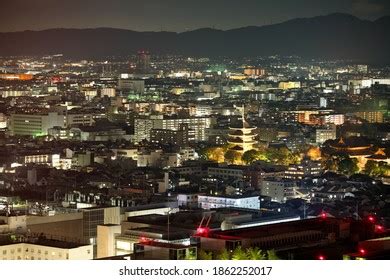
(191, 255)
(348, 166)
(271, 255)
(203, 255)
(250, 156)
(223, 255)
(377, 169)
(232, 157)
(255, 253)
(239, 254)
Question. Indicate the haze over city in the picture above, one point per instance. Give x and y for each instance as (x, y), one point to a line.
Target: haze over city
(173, 15)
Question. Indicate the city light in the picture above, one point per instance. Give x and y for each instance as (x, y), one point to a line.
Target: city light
(321, 257)
(202, 231)
(179, 143)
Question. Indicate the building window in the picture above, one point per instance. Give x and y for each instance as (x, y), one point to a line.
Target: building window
(4, 252)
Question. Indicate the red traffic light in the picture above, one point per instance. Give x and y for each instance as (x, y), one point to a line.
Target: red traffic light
(202, 230)
(379, 228)
(321, 257)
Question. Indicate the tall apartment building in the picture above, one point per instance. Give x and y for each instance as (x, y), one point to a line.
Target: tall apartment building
(175, 137)
(336, 119)
(196, 127)
(371, 117)
(323, 134)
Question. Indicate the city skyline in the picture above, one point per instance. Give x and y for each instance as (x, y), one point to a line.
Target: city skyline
(236, 143)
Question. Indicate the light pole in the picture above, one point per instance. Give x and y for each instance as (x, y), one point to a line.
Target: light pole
(168, 224)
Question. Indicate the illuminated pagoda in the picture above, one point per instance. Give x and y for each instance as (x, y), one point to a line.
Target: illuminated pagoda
(241, 136)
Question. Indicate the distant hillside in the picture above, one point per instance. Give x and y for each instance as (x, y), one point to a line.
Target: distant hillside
(338, 36)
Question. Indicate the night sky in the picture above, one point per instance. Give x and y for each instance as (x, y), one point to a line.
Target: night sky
(173, 15)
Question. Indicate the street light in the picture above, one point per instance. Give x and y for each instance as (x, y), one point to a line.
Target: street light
(168, 224)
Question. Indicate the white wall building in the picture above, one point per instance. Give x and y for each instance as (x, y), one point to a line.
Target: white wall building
(188, 200)
(212, 202)
(35, 124)
(336, 119)
(48, 250)
(278, 190)
(324, 134)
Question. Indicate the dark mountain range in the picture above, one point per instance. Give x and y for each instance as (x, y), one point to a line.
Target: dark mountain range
(338, 36)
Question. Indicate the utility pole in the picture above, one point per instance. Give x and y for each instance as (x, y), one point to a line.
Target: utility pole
(168, 225)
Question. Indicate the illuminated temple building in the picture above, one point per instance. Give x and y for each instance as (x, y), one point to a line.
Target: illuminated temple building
(356, 147)
(241, 136)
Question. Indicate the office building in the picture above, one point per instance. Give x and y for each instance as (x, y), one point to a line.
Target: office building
(37, 124)
(131, 86)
